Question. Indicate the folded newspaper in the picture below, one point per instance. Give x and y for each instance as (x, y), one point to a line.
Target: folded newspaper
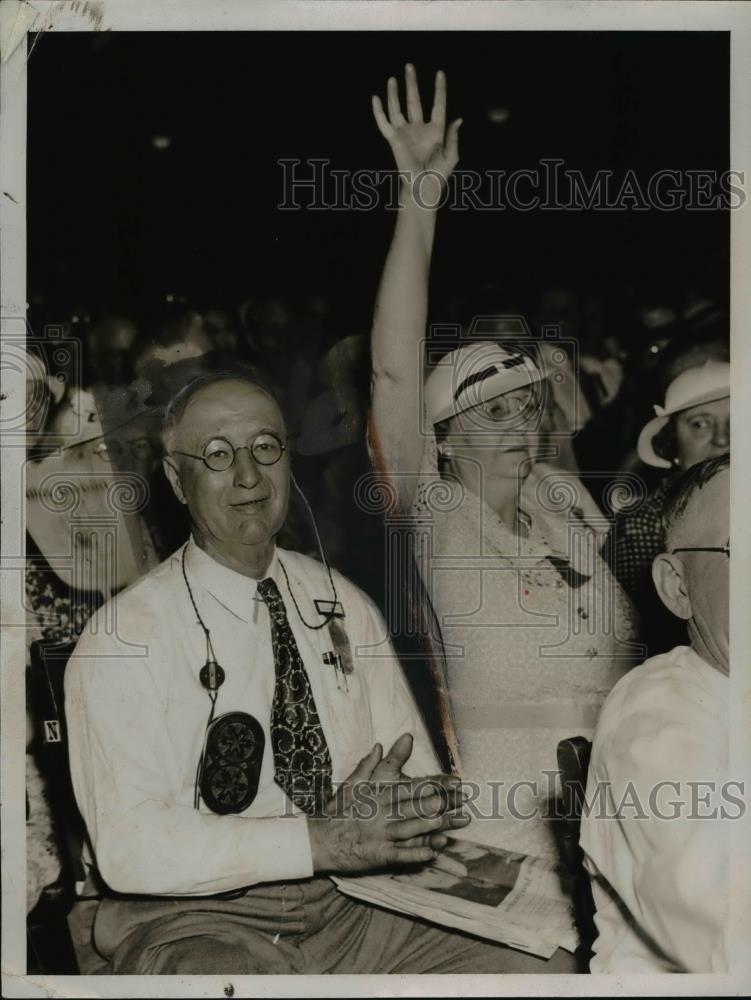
(519, 900)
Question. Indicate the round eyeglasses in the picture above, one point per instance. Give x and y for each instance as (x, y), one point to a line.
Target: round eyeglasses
(219, 455)
(505, 407)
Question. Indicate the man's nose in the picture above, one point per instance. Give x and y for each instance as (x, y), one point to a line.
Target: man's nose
(247, 472)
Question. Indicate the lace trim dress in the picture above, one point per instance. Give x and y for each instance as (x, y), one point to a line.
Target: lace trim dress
(536, 632)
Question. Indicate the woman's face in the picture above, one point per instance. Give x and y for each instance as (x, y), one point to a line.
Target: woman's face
(703, 431)
(498, 439)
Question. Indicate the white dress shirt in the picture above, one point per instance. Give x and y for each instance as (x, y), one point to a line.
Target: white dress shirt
(136, 716)
(660, 885)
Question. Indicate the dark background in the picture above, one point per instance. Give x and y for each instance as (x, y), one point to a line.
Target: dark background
(115, 224)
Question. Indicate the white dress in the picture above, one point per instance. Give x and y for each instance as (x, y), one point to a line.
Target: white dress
(536, 631)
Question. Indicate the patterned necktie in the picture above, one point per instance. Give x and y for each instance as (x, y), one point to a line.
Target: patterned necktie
(302, 763)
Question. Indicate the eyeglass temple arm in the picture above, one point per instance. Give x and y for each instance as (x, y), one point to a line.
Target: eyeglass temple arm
(702, 548)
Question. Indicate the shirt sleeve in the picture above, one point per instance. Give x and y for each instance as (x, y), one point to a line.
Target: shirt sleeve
(665, 851)
(125, 780)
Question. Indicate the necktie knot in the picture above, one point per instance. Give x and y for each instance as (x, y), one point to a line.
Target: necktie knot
(269, 593)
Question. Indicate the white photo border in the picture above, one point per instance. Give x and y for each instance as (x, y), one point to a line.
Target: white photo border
(335, 15)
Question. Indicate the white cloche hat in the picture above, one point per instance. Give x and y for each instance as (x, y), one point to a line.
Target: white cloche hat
(474, 374)
(700, 384)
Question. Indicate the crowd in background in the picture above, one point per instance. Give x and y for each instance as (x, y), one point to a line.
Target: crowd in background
(620, 364)
(623, 361)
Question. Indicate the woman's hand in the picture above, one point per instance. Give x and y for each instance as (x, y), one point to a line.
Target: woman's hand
(419, 146)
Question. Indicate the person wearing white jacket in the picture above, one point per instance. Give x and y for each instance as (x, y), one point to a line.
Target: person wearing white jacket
(660, 794)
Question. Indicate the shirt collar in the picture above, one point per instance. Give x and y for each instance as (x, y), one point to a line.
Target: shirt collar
(712, 676)
(231, 589)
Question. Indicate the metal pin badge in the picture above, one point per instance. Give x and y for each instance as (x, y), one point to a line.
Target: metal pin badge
(341, 644)
(211, 675)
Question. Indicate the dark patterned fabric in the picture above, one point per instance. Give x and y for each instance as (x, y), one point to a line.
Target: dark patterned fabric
(60, 611)
(634, 541)
(302, 762)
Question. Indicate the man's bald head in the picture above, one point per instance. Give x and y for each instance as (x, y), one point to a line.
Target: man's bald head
(202, 380)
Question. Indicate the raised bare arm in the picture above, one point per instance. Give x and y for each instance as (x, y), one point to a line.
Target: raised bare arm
(425, 154)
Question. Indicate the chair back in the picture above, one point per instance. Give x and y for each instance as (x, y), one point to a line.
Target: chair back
(46, 695)
(573, 763)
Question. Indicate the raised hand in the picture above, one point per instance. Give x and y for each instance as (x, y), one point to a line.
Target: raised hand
(418, 145)
(425, 154)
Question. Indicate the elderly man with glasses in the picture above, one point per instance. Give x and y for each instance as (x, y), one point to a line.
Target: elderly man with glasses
(223, 711)
(659, 792)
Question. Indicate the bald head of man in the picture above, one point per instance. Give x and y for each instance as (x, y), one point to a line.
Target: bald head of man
(692, 576)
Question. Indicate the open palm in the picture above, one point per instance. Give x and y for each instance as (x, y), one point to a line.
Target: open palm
(418, 145)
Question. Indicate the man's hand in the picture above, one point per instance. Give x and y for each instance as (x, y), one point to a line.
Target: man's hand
(418, 145)
(389, 768)
(396, 822)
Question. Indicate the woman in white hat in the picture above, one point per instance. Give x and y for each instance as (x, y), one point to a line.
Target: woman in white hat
(535, 629)
(694, 423)
(691, 426)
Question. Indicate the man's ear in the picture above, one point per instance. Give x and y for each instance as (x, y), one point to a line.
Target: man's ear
(170, 471)
(669, 576)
